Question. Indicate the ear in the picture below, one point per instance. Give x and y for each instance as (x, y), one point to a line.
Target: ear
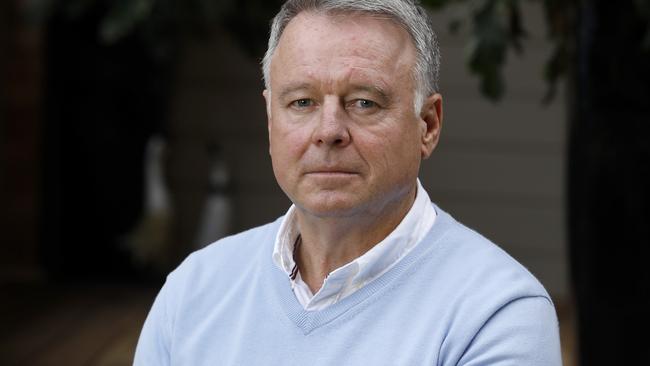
(431, 120)
(267, 99)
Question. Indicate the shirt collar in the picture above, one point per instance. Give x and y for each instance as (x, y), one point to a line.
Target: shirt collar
(372, 264)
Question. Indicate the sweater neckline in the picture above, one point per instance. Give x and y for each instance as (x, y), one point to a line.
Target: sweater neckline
(308, 321)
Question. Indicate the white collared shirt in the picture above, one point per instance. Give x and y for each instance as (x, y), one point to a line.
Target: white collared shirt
(347, 279)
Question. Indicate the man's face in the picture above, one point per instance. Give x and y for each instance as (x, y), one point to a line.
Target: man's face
(345, 139)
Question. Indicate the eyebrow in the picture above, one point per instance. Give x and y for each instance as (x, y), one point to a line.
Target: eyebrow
(373, 89)
(293, 88)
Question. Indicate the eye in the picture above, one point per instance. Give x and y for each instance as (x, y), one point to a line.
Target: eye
(302, 103)
(365, 103)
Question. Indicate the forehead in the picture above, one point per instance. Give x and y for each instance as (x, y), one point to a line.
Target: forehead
(343, 45)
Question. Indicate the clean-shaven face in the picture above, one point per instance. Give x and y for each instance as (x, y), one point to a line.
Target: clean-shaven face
(344, 138)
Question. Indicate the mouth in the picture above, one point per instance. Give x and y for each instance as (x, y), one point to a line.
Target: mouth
(331, 172)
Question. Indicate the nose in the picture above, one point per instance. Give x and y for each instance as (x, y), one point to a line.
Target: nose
(332, 129)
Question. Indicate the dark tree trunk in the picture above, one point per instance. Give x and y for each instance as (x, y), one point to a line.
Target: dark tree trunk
(609, 184)
(102, 103)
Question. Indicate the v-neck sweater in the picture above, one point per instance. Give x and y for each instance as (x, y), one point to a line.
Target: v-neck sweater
(352, 276)
(455, 299)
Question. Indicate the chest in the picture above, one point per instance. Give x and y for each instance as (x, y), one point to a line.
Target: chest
(259, 332)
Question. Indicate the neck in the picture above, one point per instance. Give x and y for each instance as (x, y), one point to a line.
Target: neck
(331, 242)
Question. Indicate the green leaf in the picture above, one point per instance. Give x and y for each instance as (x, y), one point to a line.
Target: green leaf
(77, 8)
(123, 16)
(455, 25)
(437, 4)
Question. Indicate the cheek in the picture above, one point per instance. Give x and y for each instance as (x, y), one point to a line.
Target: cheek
(288, 144)
(397, 143)
(400, 154)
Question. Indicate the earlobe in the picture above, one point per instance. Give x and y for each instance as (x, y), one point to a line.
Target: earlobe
(431, 116)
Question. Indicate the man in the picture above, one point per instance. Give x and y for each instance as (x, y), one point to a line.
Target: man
(363, 269)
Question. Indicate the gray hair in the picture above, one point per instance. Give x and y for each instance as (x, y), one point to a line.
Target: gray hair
(407, 13)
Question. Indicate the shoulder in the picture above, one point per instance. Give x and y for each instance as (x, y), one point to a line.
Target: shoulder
(242, 244)
(477, 262)
(198, 285)
(489, 299)
(224, 259)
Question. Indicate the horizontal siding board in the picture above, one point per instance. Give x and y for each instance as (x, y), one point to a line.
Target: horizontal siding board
(495, 173)
(524, 122)
(198, 113)
(511, 226)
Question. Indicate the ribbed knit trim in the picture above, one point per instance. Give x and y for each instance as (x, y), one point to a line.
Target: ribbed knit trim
(308, 321)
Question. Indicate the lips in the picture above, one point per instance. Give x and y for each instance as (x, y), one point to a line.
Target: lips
(331, 170)
(331, 174)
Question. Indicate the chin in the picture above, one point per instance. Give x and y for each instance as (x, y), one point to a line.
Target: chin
(331, 208)
(331, 213)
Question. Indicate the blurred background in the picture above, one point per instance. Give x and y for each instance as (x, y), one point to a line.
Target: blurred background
(133, 132)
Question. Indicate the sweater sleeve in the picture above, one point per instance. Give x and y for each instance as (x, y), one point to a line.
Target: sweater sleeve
(523, 332)
(155, 338)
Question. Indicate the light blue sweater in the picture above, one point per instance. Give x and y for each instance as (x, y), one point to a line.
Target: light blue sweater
(456, 299)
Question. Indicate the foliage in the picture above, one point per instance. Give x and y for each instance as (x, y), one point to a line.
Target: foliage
(561, 22)
(160, 22)
(643, 7)
(496, 27)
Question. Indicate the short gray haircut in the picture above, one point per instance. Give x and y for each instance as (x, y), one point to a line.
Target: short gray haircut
(407, 13)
